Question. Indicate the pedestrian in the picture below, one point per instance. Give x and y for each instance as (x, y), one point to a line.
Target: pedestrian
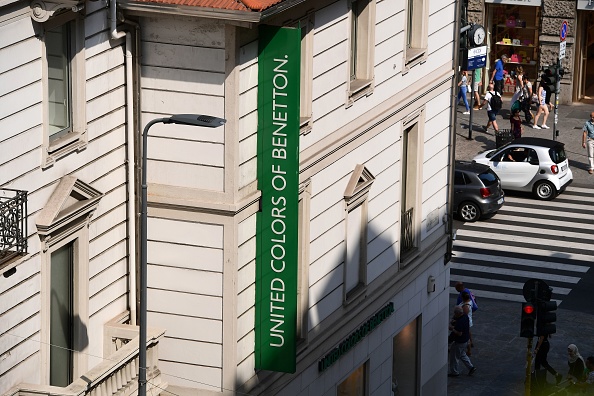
(588, 385)
(527, 99)
(588, 141)
(460, 331)
(519, 87)
(460, 289)
(463, 90)
(478, 75)
(542, 109)
(516, 124)
(493, 102)
(466, 305)
(541, 351)
(497, 75)
(576, 364)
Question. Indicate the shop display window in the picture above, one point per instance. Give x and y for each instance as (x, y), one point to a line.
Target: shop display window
(514, 32)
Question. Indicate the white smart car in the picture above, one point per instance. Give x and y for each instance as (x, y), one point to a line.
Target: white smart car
(530, 164)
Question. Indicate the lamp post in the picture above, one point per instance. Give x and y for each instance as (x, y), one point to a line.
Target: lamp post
(182, 119)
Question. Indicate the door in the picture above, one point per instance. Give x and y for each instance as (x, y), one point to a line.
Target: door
(514, 167)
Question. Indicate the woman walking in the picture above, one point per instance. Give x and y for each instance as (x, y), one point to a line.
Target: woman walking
(542, 109)
(541, 351)
(463, 84)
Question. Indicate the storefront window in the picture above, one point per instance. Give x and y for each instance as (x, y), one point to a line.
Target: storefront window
(514, 32)
(405, 364)
(355, 384)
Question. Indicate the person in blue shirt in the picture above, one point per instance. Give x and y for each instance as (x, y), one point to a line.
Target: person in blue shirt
(460, 328)
(497, 75)
(588, 141)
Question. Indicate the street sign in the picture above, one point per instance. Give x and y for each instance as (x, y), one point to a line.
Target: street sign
(562, 46)
(477, 57)
(563, 32)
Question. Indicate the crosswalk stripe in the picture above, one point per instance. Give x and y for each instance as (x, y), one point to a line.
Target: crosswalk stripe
(532, 223)
(521, 273)
(505, 237)
(537, 252)
(502, 283)
(523, 262)
(527, 238)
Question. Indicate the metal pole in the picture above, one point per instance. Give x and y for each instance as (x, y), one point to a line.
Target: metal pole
(471, 106)
(143, 266)
(557, 91)
(528, 367)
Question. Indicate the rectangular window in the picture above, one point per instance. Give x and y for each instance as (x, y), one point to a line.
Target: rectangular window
(305, 112)
(64, 86)
(61, 362)
(362, 45)
(411, 182)
(355, 384)
(405, 360)
(417, 21)
(303, 274)
(59, 81)
(355, 241)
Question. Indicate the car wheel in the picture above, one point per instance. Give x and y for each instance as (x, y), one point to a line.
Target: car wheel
(469, 211)
(544, 190)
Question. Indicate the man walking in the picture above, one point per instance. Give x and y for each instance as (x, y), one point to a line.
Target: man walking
(460, 328)
(493, 102)
(497, 75)
(588, 141)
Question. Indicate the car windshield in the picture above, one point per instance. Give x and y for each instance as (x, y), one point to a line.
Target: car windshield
(489, 178)
(558, 154)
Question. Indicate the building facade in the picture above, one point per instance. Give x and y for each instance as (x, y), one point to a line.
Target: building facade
(530, 30)
(367, 288)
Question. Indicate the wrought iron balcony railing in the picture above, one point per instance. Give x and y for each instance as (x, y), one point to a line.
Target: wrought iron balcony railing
(407, 235)
(13, 224)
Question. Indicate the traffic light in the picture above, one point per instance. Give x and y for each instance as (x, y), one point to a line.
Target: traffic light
(545, 318)
(528, 320)
(548, 78)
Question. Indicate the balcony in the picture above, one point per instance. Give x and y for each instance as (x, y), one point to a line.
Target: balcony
(407, 236)
(117, 375)
(13, 224)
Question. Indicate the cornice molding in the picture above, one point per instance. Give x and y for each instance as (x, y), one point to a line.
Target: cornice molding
(42, 10)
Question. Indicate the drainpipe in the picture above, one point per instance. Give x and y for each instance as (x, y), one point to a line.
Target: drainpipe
(115, 35)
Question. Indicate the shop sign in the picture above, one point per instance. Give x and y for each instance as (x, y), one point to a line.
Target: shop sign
(353, 339)
(585, 5)
(477, 58)
(279, 60)
(535, 3)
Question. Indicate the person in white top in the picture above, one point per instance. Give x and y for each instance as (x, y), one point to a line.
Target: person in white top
(542, 109)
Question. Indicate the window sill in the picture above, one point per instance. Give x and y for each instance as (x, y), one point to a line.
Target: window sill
(358, 89)
(413, 57)
(355, 294)
(305, 125)
(64, 146)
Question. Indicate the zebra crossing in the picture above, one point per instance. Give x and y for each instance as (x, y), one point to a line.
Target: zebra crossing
(527, 238)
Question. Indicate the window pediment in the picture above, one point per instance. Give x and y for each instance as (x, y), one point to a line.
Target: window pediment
(358, 186)
(72, 202)
(42, 10)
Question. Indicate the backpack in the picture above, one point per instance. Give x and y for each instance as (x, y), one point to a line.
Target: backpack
(495, 101)
(516, 106)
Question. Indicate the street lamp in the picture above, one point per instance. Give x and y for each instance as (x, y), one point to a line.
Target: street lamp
(182, 119)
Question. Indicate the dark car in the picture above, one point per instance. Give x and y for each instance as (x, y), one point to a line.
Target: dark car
(477, 190)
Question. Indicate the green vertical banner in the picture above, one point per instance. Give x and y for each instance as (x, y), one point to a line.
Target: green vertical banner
(279, 54)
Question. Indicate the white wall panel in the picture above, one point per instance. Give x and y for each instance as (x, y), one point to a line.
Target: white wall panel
(184, 57)
(184, 304)
(23, 76)
(185, 256)
(180, 80)
(185, 351)
(19, 53)
(185, 175)
(189, 328)
(104, 61)
(107, 276)
(185, 280)
(18, 145)
(104, 298)
(24, 97)
(188, 31)
(326, 263)
(201, 377)
(185, 232)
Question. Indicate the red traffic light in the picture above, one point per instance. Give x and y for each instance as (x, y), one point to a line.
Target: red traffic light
(528, 308)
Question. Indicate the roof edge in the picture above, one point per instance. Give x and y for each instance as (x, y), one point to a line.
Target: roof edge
(204, 12)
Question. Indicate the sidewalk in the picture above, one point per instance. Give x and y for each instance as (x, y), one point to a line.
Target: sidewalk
(499, 352)
(571, 119)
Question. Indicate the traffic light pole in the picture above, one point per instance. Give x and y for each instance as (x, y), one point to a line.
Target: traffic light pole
(528, 367)
(557, 91)
(471, 105)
